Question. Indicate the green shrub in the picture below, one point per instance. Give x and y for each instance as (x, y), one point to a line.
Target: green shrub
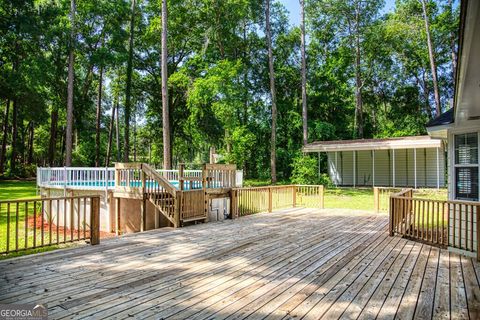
(305, 171)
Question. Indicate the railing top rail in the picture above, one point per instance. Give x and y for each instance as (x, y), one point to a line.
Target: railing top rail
(50, 198)
(160, 179)
(130, 165)
(308, 185)
(403, 192)
(228, 167)
(471, 203)
(76, 168)
(278, 186)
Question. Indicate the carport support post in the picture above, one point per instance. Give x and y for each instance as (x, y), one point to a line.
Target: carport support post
(438, 171)
(354, 168)
(415, 166)
(393, 161)
(319, 165)
(373, 168)
(336, 168)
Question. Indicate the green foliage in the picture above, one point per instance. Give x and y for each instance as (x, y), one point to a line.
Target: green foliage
(218, 78)
(305, 171)
(242, 142)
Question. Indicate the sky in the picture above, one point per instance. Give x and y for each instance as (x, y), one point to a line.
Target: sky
(293, 6)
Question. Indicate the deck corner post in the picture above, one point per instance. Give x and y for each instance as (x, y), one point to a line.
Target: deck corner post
(270, 204)
(478, 233)
(143, 214)
(233, 204)
(376, 199)
(390, 217)
(181, 169)
(117, 216)
(94, 220)
(294, 196)
(322, 196)
(178, 208)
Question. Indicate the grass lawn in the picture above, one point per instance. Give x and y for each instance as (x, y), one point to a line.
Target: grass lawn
(13, 190)
(349, 198)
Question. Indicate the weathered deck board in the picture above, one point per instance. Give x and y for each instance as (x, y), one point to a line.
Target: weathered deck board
(300, 263)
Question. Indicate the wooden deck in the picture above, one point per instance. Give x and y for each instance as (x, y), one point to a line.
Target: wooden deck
(297, 263)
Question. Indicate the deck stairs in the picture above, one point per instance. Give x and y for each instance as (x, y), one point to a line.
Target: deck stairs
(161, 193)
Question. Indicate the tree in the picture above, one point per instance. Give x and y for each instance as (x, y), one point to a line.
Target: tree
(3, 150)
(431, 55)
(98, 116)
(165, 112)
(273, 97)
(71, 62)
(128, 89)
(304, 73)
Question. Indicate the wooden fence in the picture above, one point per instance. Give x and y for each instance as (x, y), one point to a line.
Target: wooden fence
(252, 200)
(35, 223)
(444, 223)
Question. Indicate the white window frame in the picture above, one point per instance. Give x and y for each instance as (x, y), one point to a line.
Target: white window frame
(470, 165)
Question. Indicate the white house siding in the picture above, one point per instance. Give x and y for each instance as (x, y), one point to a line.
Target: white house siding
(341, 171)
(460, 219)
(346, 169)
(460, 231)
(364, 168)
(382, 168)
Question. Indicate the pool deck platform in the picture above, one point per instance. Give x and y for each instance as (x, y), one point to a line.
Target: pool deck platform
(289, 264)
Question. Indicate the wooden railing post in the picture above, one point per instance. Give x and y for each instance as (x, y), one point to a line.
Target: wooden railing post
(294, 196)
(321, 192)
(270, 199)
(478, 232)
(178, 208)
(376, 199)
(181, 169)
(94, 220)
(391, 215)
(233, 203)
(117, 176)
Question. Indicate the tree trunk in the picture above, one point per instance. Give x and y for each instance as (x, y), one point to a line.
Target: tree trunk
(53, 137)
(453, 41)
(304, 73)
(135, 136)
(3, 151)
(273, 142)
(245, 74)
(71, 61)
(167, 155)
(62, 148)
(117, 133)
(13, 158)
(31, 131)
(128, 90)
(358, 79)
(110, 132)
(431, 56)
(98, 115)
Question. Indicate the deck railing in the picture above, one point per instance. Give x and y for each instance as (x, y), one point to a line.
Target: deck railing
(381, 196)
(86, 178)
(252, 200)
(444, 223)
(35, 223)
(76, 178)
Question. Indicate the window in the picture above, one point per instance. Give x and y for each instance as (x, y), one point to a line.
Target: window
(466, 166)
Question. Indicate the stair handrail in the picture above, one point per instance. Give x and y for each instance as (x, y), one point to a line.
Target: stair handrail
(162, 181)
